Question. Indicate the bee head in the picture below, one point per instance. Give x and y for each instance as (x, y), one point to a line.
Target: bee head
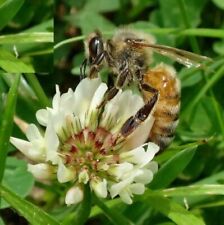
(94, 46)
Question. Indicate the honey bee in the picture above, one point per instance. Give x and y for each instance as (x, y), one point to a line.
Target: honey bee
(128, 55)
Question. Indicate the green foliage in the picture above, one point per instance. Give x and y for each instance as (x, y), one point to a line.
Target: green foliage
(32, 213)
(26, 38)
(17, 178)
(188, 188)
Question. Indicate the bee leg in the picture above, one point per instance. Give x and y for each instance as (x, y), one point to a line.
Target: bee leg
(95, 65)
(148, 88)
(134, 121)
(108, 96)
(83, 69)
(120, 83)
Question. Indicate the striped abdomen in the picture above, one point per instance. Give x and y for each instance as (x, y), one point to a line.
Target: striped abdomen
(163, 78)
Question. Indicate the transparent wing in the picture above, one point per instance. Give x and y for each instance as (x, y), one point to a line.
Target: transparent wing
(186, 58)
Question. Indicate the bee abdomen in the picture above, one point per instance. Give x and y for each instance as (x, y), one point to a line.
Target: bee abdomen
(163, 78)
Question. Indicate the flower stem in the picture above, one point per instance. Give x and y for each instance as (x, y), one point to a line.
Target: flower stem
(114, 216)
(84, 208)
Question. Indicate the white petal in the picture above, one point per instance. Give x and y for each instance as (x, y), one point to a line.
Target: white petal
(144, 178)
(56, 99)
(137, 188)
(140, 135)
(83, 176)
(32, 133)
(152, 148)
(153, 166)
(93, 111)
(83, 96)
(64, 174)
(42, 171)
(119, 170)
(74, 196)
(52, 143)
(126, 197)
(117, 188)
(35, 154)
(139, 155)
(99, 187)
(120, 108)
(42, 116)
(67, 100)
(98, 96)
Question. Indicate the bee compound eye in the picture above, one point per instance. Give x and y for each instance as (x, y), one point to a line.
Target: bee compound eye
(95, 46)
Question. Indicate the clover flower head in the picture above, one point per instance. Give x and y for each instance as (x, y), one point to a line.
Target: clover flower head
(83, 145)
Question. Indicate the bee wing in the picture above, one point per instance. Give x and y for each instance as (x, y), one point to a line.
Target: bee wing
(186, 58)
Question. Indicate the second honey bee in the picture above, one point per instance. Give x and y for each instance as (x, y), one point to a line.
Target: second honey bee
(128, 55)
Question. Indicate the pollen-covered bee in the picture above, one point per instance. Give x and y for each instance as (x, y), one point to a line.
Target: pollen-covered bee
(128, 55)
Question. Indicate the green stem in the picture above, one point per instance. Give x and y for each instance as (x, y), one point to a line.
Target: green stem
(83, 211)
(203, 32)
(67, 41)
(38, 89)
(114, 216)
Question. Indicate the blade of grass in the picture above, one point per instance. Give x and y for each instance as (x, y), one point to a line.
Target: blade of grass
(171, 209)
(33, 81)
(203, 189)
(211, 82)
(35, 37)
(7, 123)
(193, 40)
(195, 48)
(8, 10)
(174, 166)
(32, 213)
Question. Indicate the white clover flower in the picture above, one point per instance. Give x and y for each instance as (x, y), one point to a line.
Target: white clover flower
(83, 143)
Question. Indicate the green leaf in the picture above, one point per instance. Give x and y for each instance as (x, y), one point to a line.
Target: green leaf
(101, 6)
(1, 221)
(218, 47)
(171, 209)
(35, 37)
(172, 168)
(219, 3)
(193, 10)
(8, 10)
(11, 64)
(17, 178)
(87, 25)
(32, 213)
(7, 123)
